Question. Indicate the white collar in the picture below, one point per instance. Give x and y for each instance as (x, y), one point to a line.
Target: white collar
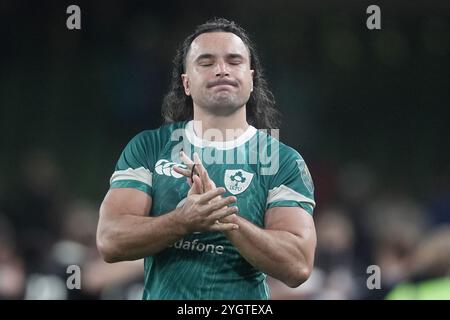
(221, 145)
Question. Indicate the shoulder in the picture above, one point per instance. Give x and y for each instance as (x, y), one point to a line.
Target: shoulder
(289, 153)
(284, 151)
(289, 163)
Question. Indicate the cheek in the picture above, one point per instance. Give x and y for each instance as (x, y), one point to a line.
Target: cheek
(193, 80)
(198, 80)
(247, 81)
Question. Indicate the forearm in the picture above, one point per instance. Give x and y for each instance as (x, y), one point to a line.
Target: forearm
(131, 237)
(279, 254)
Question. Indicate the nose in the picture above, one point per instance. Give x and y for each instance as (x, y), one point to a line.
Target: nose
(222, 69)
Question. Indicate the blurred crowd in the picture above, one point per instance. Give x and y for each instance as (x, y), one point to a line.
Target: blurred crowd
(368, 110)
(360, 222)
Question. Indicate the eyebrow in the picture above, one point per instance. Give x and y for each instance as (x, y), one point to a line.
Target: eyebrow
(235, 56)
(211, 56)
(205, 56)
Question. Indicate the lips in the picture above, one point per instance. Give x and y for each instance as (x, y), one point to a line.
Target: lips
(222, 83)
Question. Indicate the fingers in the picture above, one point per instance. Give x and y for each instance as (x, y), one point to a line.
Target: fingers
(216, 205)
(186, 160)
(224, 227)
(211, 194)
(190, 164)
(197, 158)
(197, 185)
(226, 224)
(224, 212)
(208, 184)
(184, 172)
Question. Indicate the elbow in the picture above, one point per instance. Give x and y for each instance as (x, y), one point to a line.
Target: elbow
(106, 248)
(106, 238)
(298, 276)
(106, 254)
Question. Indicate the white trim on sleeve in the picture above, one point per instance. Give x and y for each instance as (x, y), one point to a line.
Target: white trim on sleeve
(140, 174)
(284, 193)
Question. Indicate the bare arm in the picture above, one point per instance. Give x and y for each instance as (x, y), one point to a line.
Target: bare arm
(284, 249)
(126, 232)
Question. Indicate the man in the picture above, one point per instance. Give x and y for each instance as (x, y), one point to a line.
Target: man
(200, 241)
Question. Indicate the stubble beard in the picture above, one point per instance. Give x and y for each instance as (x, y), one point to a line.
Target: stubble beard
(223, 104)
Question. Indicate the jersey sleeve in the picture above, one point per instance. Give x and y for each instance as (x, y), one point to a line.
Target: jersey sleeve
(135, 165)
(292, 185)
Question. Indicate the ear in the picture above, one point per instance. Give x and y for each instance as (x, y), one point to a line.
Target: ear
(185, 80)
(252, 72)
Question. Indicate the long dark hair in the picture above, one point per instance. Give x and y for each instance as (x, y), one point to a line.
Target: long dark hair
(177, 106)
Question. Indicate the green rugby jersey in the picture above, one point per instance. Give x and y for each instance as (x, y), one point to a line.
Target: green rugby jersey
(258, 169)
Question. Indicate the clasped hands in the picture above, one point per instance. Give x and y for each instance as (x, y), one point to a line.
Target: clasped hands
(205, 209)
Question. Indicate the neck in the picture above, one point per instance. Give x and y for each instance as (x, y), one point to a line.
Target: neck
(230, 126)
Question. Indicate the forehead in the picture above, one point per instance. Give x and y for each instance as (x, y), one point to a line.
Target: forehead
(217, 43)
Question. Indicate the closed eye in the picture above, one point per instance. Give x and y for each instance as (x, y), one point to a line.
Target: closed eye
(235, 59)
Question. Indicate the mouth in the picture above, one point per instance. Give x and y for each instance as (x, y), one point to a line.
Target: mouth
(222, 84)
(222, 87)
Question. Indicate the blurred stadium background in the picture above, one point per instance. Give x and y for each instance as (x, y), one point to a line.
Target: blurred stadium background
(368, 110)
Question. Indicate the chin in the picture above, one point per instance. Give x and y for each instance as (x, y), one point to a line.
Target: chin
(225, 105)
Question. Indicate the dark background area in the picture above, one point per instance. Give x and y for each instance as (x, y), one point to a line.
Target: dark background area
(367, 109)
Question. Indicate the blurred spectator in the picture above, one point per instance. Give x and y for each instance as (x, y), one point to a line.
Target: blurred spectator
(76, 246)
(333, 276)
(395, 224)
(335, 254)
(369, 111)
(439, 203)
(12, 273)
(34, 206)
(356, 184)
(428, 269)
